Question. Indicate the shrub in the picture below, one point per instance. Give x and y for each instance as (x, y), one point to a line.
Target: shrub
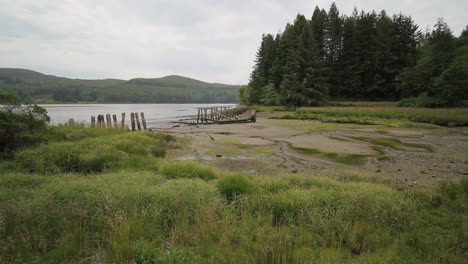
(20, 125)
(177, 170)
(232, 185)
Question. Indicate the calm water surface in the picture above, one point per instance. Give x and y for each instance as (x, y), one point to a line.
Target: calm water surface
(155, 114)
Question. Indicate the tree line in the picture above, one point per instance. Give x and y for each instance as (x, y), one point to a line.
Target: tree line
(35, 87)
(365, 56)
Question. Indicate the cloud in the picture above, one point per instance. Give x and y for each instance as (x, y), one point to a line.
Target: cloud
(209, 40)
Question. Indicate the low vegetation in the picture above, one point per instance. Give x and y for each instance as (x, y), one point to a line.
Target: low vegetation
(349, 159)
(394, 143)
(109, 196)
(389, 116)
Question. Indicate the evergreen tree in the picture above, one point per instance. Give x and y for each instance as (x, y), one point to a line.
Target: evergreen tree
(318, 25)
(363, 56)
(304, 84)
(333, 46)
(385, 60)
(348, 62)
(262, 70)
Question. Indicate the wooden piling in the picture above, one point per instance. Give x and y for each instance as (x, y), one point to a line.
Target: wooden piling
(93, 121)
(71, 122)
(137, 119)
(109, 121)
(198, 116)
(114, 117)
(143, 121)
(132, 118)
(122, 124)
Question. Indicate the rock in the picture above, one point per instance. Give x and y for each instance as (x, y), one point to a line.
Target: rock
(434, 165)
(294, 170)
(219, 155)
(398, 169)
(378, 170)
(429, 168)
(433, 176)
(423, 172)
(464, 172)
(451, 161)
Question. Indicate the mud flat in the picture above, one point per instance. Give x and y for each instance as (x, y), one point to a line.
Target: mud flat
(416, 156)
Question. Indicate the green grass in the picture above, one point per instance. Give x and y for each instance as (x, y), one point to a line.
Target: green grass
(349, 159)
(266, 108)
(388, 116)
(177, 170)
(233, 185)
(144, 209)
(93, 154)
(141, 217)
(393, 143)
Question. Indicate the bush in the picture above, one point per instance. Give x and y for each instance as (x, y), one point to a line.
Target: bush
(20, 125)
(232, 185)
(177, 170)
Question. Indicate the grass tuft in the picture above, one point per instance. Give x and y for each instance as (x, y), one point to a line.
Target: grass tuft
(233, 185)
(177, 170)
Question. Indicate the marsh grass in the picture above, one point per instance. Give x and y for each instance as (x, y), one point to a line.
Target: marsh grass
(144, 217)
(349, 159)
(96, 153)
(388, 116)
(177, 170)
(148, 210)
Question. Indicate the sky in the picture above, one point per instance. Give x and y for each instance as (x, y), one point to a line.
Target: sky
(209, 40)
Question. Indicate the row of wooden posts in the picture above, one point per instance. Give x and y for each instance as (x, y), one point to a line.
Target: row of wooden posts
(213, 114)
(100, 122)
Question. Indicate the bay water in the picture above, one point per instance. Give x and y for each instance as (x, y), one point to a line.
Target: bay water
(156, 115)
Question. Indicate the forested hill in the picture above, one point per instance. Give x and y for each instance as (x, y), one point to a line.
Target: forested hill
(36, 87)
(360, 56)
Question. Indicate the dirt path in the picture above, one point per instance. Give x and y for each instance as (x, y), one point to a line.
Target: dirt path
(271, 146)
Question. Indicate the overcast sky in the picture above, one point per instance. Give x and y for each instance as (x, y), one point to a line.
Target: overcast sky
(210, 40)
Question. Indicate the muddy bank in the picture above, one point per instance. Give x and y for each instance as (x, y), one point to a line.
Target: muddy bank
(272, 147)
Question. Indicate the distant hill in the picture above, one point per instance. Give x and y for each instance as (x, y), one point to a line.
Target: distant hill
(36, 87)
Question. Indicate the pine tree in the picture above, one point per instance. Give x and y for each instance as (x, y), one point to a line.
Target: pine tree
(304, 84)
(318, 24)
(333, 45)
(348, 62)
(261, 74)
